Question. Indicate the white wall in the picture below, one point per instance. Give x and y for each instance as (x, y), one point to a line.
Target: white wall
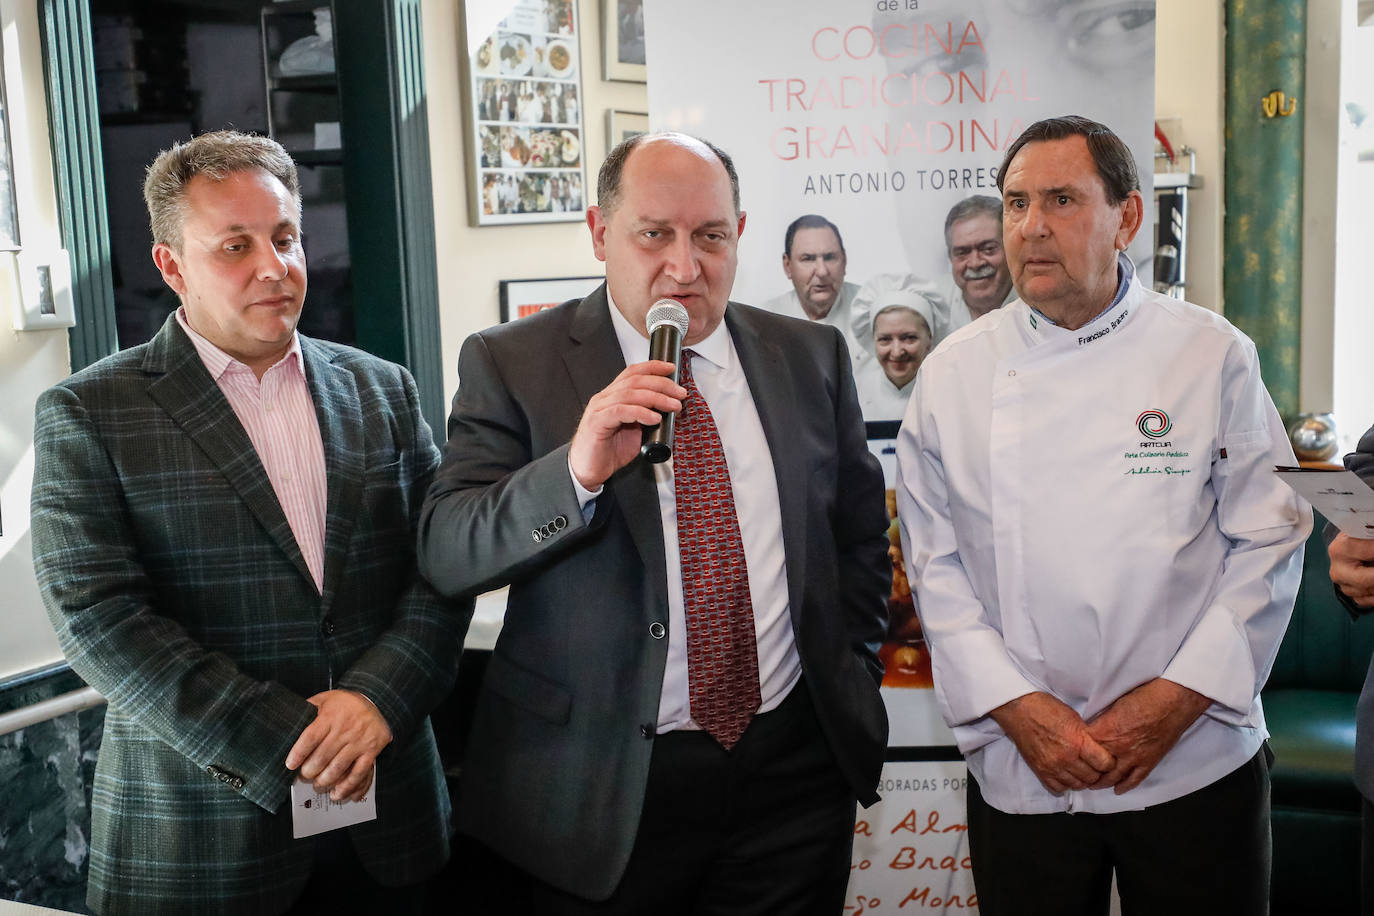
(1321, 167)
(29, 360)
(1190, 96)
(1350, 185)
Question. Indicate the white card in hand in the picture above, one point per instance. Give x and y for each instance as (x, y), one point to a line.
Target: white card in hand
(1340, 495)
(315, 812)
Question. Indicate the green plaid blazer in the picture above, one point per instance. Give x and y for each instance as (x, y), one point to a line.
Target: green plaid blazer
(178, 591)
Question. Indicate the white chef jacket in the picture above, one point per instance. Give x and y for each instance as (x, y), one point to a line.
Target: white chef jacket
(879, 399)
(789, 303)
(1083, 511)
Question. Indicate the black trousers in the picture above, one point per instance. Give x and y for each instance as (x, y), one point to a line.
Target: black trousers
(1366, 857)
(766, 828)
(1207, 853)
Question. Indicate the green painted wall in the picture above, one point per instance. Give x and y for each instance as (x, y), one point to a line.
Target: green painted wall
(1266, 46)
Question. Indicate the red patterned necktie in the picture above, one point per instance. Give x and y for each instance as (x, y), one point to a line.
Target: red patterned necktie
(722, 652)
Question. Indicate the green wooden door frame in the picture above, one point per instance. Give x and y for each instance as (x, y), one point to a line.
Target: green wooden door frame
(386, 174)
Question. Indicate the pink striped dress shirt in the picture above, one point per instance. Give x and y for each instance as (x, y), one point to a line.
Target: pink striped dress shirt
(280, 420)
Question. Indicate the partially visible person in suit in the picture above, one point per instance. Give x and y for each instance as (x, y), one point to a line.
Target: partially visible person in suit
(1352, 573)
(682, 705)
(223, 533)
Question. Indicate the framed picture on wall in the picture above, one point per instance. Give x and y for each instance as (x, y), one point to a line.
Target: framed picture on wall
(622, 125)
(622, 40)
(524, 133)
(525, 297)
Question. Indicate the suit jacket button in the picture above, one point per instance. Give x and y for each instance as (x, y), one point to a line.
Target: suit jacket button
(646, 731)
(327, 626)
(656, 630)
(536, 535)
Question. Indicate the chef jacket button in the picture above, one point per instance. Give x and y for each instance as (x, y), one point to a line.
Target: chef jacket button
(656, 630)
(1011, 373)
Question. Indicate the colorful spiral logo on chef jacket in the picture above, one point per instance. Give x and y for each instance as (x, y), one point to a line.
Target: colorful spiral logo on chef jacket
(1153, 423)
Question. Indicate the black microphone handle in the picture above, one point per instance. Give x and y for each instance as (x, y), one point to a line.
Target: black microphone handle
(666, 344)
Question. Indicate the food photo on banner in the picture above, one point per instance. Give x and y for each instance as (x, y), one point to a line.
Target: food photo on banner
(525, 112)
(868, 138)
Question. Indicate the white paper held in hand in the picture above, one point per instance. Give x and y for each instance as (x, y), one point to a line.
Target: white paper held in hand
(315, 812)
(1340, 495)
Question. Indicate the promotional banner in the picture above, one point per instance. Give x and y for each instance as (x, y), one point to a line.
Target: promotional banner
(911, 852)
(877, 121)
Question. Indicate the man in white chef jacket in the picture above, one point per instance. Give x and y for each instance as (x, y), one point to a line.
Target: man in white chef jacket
(1103, 559)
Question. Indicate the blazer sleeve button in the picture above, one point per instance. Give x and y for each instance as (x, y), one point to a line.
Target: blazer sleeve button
(656, 630)
(536, 535)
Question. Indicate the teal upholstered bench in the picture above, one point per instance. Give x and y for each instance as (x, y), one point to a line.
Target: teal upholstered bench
(1309, 704)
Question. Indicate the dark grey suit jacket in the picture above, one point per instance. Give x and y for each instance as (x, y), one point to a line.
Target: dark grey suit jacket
(558, 759)
(178, 591)
(1361, 461)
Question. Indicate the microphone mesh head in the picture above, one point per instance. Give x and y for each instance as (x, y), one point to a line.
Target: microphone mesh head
(667, 311)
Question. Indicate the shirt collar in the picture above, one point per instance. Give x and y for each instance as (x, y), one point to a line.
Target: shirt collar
(217, 362)
(634, 345)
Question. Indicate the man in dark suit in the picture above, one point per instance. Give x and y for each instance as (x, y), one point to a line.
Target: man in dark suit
(223, 529)
(1352, 572)
(677, 716)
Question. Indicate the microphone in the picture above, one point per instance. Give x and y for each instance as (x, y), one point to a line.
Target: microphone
(667, 324)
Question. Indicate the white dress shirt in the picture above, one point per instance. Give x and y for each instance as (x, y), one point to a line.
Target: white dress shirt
(720, 378)
(1086, 510)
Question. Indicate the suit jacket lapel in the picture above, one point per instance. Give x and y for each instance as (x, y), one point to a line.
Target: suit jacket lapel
(183, 387)
(338, 409)
(594, 359)
(776, 398)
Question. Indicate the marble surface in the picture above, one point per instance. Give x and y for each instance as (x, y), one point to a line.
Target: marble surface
(46, 772)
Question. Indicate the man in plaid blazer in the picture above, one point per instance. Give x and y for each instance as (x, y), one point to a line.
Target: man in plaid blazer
(223, 534)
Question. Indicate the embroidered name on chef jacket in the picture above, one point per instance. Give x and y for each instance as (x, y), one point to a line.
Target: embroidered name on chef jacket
(1104, 331)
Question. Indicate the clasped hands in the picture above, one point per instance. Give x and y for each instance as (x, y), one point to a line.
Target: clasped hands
(609, 434)
(338, 750)
(1117, 750)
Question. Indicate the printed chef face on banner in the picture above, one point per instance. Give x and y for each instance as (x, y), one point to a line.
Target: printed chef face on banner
(901, 340)
(964, 77)
(978, 261)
